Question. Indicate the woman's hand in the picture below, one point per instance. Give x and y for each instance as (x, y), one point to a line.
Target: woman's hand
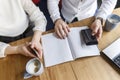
(37, 47)
(25, 50)
(35, 43)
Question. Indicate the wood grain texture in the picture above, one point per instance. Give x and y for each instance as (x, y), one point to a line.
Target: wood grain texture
(90, 68)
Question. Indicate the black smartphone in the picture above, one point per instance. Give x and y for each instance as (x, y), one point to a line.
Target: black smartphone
(88, 38)
(33, 51)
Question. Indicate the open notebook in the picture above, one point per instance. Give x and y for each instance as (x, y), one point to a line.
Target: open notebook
(57, 51)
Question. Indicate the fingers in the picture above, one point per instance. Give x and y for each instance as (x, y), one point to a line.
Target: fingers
(57, 31)
(96, 29)
(25, 50)
(66, 30)
(28, 53)
(31, 45)
(62, 30)
(37, 49)
(99, 34)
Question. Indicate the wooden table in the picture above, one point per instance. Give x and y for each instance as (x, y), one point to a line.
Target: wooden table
(90, 68)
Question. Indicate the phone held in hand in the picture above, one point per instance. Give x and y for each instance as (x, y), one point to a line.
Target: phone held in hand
(88, 38)
(33, 51)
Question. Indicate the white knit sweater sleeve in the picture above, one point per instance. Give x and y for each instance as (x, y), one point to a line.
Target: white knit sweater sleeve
(35, 15)
(3, 46)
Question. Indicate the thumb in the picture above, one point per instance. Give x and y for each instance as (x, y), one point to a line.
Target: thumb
(39, 52)
(94, 30)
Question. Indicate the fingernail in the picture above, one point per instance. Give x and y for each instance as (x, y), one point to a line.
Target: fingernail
(93, 33)
(40, 57)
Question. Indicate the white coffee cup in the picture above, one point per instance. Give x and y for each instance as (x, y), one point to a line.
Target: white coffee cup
(34, 67)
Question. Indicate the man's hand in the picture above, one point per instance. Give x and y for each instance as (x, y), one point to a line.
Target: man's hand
(97, 28)
(61, 28)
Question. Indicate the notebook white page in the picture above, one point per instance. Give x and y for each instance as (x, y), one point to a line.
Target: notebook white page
(78, 47)
(55, 50)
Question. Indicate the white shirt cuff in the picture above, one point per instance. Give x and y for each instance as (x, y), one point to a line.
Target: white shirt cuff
(102, 16)
(3, 46)
(55, 17)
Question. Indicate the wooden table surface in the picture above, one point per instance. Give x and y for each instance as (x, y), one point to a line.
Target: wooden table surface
(90, 68)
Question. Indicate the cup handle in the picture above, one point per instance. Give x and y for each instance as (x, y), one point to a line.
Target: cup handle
(27, 75)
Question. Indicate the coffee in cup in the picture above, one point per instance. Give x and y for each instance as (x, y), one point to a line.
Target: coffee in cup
(34, 67)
